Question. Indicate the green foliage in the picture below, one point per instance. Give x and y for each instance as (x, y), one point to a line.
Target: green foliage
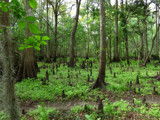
(34, 90)
(92, 116)
(2, 115)
(43, 113)
(22, 24)
(77, 109)
(85, 108)
(33, 28)
(33, 3)
(4, 9)
(3, 6)
(117, 108)
(30, 19)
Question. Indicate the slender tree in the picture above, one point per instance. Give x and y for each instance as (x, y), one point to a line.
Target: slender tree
(124, 25)
(71, 62)
(157, 37)
(101, 76)
(110, 37)
(40, 23)
(56, 4)
(48, 42)
(7, 59)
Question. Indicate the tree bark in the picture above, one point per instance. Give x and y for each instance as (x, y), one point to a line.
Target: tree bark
(146, 59)
(71, 62)
(7, 59)
(101, 76)
(55, 35)
(29, 67)
(116, 53)
(40, 23)
(48, 42)
(110, 38)
(87, 54)
(157, 37)
(125, 32)
(145, 32)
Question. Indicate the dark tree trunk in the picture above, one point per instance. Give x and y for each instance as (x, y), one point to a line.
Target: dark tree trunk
(101, 76)
(87, 54)
(48, 42)
(116, 53)
(110, 45)
(71, 62)
(157, 38)
(55, 35)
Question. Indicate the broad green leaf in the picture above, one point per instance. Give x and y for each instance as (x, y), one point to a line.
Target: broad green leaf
(1, 30)
(37, 48)
(37, 37)
(31, 39)
(30, 18)
(22, 24)
(33, 28)
(45, 38)
(4, 9)
(21, 48)
(29, 46)
(33, 3)
(44, 42)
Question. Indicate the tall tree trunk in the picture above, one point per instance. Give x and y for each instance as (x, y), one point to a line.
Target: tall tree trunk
(101, 76)
(142, 42)
(145, 32)
(48, 42)
(40, 23)
(147, 57)
(116, 53)
(71, 62)
(7, 59)
(157, 38)
(125, 32)
(87, 55)
(110, 45)
(55, 35)
(29, 67)
(141, 46)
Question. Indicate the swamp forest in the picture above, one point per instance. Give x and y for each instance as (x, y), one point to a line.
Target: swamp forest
(79, 60)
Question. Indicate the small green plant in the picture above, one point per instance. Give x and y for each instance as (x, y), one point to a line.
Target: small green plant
(137, 102)
(86, 108)
(2, 115)
(92, 116)
(77, 109)
(42, 112)
(122, 106)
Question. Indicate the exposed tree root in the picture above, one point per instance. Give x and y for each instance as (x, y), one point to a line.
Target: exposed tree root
(99, 84)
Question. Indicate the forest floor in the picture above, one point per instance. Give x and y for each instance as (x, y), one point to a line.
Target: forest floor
(66, 96)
